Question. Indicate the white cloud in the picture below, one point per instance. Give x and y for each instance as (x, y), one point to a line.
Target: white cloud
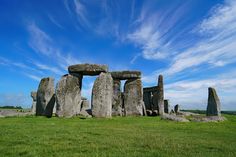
(34, 77)
(54, 21)
(192, 94)
(13, 99)
(49, 68)
(81, 13)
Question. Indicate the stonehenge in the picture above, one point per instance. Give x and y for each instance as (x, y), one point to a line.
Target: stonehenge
(45, 97)
(109, 98)
(213, 105)
(153, 98)
(102, 95)
(68, 96)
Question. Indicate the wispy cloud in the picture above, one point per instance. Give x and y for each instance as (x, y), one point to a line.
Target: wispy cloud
(54, 21)
(152, 31)
(42, 43)
(192, 94)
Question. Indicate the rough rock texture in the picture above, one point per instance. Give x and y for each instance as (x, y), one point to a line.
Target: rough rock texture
(124, 75)
(187, 113)
(87, 69)
(68, 96)
(147, 98)
(45, 97)
(174, 118)
(102, 95)
(160, 95)
(155, 101)
(166, 106)
(176, 108)
(14, 113)
(34, 97)
(133, 97)
(213, 106)
(208, 119)
(117, 99)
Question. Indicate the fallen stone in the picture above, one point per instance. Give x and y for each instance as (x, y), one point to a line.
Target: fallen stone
(213, 106)
(124, 75)
(68, 96)
(187, 113)
(133, 97)
(45, 97)
(174, 118)
(117, 98)
(149, 112)
(102, 94)
(207, 118)
(87, 69)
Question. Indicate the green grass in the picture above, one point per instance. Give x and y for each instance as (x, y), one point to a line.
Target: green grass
(121, 136)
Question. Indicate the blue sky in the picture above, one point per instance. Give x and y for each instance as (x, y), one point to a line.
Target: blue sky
(192, 43)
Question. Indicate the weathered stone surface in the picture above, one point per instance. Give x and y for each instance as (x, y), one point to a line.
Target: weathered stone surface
(14, 113)
(150, 89)
(166, 106)
(102, 94)
(174, 118)
(155, 101)
(176, 108)
(34, 97)
(133, 97)
(45, 97)
(207, 119)
(117, 98)
(149, 112)
(124, 75)
(87, 69)
(147, 98)
(160, 95)
(68, 96)
(213, 106)
(85, 109)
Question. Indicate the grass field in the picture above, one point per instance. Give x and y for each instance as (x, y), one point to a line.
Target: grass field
(129, 136)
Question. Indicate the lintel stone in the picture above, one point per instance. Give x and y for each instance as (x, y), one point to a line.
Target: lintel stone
(87, 69)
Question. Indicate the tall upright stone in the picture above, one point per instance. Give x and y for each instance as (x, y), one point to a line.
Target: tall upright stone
(133, 97)
(45, 97)
(176, 108)
(117, 98)
(160, 95)
(213, 106)
(34, 101)
(68, 96)
(166, 106)
(102, 95)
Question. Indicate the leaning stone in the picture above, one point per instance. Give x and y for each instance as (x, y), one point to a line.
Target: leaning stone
(117, 99)
(45, 97)
(213, 106)
(166, 106)
(124, 75)
(87, 69)
(176, 108)
(174, 118)
(133, 97)
(160, 95)
(34, 97)
(102, 93)
(68, 96)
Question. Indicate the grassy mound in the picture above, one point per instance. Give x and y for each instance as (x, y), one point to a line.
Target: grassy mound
(121, 136)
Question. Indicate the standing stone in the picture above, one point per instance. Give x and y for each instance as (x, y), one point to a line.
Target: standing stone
(102, 94)
(133, 97)
(176, 108)
(213, 106)
(45, 97)
(68, 96)
(34, 97)
(166, 106)
(117, 100)
(160, 95)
